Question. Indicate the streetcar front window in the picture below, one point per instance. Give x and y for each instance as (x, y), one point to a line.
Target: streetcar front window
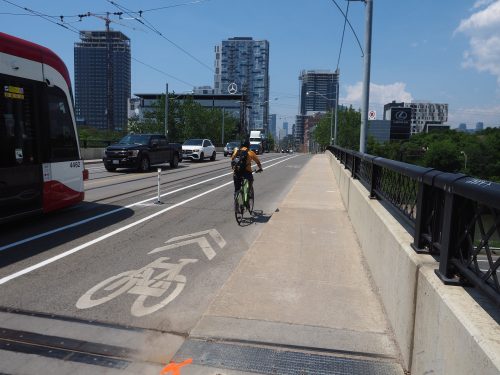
(63, 142)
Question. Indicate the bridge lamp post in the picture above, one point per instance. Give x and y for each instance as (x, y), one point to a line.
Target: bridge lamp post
(465, 160)
(333, 137)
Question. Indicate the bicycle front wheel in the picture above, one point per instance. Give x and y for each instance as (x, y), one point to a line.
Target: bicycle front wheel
(238, 207)
(250, 200)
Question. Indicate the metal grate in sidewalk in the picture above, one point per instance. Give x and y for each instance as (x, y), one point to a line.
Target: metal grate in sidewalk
(264, 360)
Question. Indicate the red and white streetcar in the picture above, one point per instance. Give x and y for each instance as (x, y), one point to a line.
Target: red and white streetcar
(41, 169)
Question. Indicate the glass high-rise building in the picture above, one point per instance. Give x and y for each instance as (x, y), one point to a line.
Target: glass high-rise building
(102, 79)
(242, 67)
(272, 125)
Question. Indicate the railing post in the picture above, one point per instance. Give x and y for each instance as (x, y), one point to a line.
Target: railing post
(355, 163)
(445, 271)
(373, 180)
(451, 230)
(425, 200)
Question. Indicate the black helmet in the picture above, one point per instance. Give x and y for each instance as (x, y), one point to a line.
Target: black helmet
(245, 143)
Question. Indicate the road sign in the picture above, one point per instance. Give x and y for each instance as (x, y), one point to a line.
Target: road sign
(372, 115)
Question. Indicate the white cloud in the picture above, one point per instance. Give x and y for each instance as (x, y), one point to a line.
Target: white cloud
(379, 94)
(483, 30)
(481, 3)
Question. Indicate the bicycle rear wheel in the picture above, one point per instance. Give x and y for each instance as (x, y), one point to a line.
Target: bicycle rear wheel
(238, 206)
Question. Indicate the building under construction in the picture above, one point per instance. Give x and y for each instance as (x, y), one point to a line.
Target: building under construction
(102, 79)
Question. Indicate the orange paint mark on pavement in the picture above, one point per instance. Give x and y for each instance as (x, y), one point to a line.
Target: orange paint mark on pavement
(175, 367)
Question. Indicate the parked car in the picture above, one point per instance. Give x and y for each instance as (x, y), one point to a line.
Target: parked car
(198, 149)
(229, 148)
(140, 151)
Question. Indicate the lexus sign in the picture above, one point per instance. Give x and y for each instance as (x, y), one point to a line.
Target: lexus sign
(400, 123)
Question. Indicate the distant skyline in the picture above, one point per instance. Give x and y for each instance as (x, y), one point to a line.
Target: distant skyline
(444, 51)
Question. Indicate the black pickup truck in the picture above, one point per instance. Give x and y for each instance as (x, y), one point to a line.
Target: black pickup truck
(140, 151)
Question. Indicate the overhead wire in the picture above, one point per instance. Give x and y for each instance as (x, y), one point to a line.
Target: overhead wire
(150, 26)
(44, 16)
(161, 71)
(343, 33)
(354, 32)
(75, 30)
(172, 6)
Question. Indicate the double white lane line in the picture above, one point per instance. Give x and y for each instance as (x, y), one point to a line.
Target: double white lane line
(119, 230)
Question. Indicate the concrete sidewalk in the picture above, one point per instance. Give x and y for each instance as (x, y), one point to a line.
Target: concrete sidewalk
(302, 284)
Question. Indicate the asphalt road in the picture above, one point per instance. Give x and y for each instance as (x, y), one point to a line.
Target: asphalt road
(118, 258)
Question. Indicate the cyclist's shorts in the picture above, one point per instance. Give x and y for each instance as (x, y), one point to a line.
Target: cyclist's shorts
(247, 175)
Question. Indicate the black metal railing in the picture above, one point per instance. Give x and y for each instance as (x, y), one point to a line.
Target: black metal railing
(95, 143)
(453, 216)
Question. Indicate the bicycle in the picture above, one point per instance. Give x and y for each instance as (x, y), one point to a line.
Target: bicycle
(244, 199)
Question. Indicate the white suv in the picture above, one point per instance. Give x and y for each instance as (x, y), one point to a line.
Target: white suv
(198, 149)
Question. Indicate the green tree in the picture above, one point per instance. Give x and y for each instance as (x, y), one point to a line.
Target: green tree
(322, 131)
(348, 128)
(186, 119)
(270, 142)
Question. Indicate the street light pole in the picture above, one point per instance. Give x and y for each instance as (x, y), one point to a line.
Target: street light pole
(465, 160)
(336, 108)
(222, 130)
(331, 127)
(331, 117)
(366, 80)
(166, 111)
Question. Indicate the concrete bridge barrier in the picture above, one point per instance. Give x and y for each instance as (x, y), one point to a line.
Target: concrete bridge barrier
(440, 329)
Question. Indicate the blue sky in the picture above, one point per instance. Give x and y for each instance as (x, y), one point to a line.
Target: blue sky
(444, 51)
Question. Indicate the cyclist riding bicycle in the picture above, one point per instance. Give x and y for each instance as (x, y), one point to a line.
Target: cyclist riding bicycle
(247, 171)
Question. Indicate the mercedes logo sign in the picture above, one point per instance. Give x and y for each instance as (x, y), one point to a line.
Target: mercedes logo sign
(232, 88)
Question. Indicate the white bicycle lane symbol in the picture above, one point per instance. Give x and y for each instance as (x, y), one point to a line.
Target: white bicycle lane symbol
(142, 283)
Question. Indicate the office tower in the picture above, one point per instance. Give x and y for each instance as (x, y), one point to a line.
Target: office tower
(102, 79)
(318, 93)
(462, 127)
(424, 115)
(242, 67)
(272, 125)
(285, 127)
(479, 126)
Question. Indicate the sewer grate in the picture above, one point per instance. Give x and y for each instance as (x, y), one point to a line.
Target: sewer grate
(263, 360)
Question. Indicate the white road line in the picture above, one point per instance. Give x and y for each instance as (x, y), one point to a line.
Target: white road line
(119, 230)
(81, 222)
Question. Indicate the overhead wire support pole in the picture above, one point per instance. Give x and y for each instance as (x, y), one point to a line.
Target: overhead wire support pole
(166, 111)
(366, 80)
(336, 106)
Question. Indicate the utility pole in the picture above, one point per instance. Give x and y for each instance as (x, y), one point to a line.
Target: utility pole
(336, 106)
(222, 130)
(366, 81)
(166, 111)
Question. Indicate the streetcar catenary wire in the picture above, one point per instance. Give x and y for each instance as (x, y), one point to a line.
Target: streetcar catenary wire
(354, 32)
(150, 26)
